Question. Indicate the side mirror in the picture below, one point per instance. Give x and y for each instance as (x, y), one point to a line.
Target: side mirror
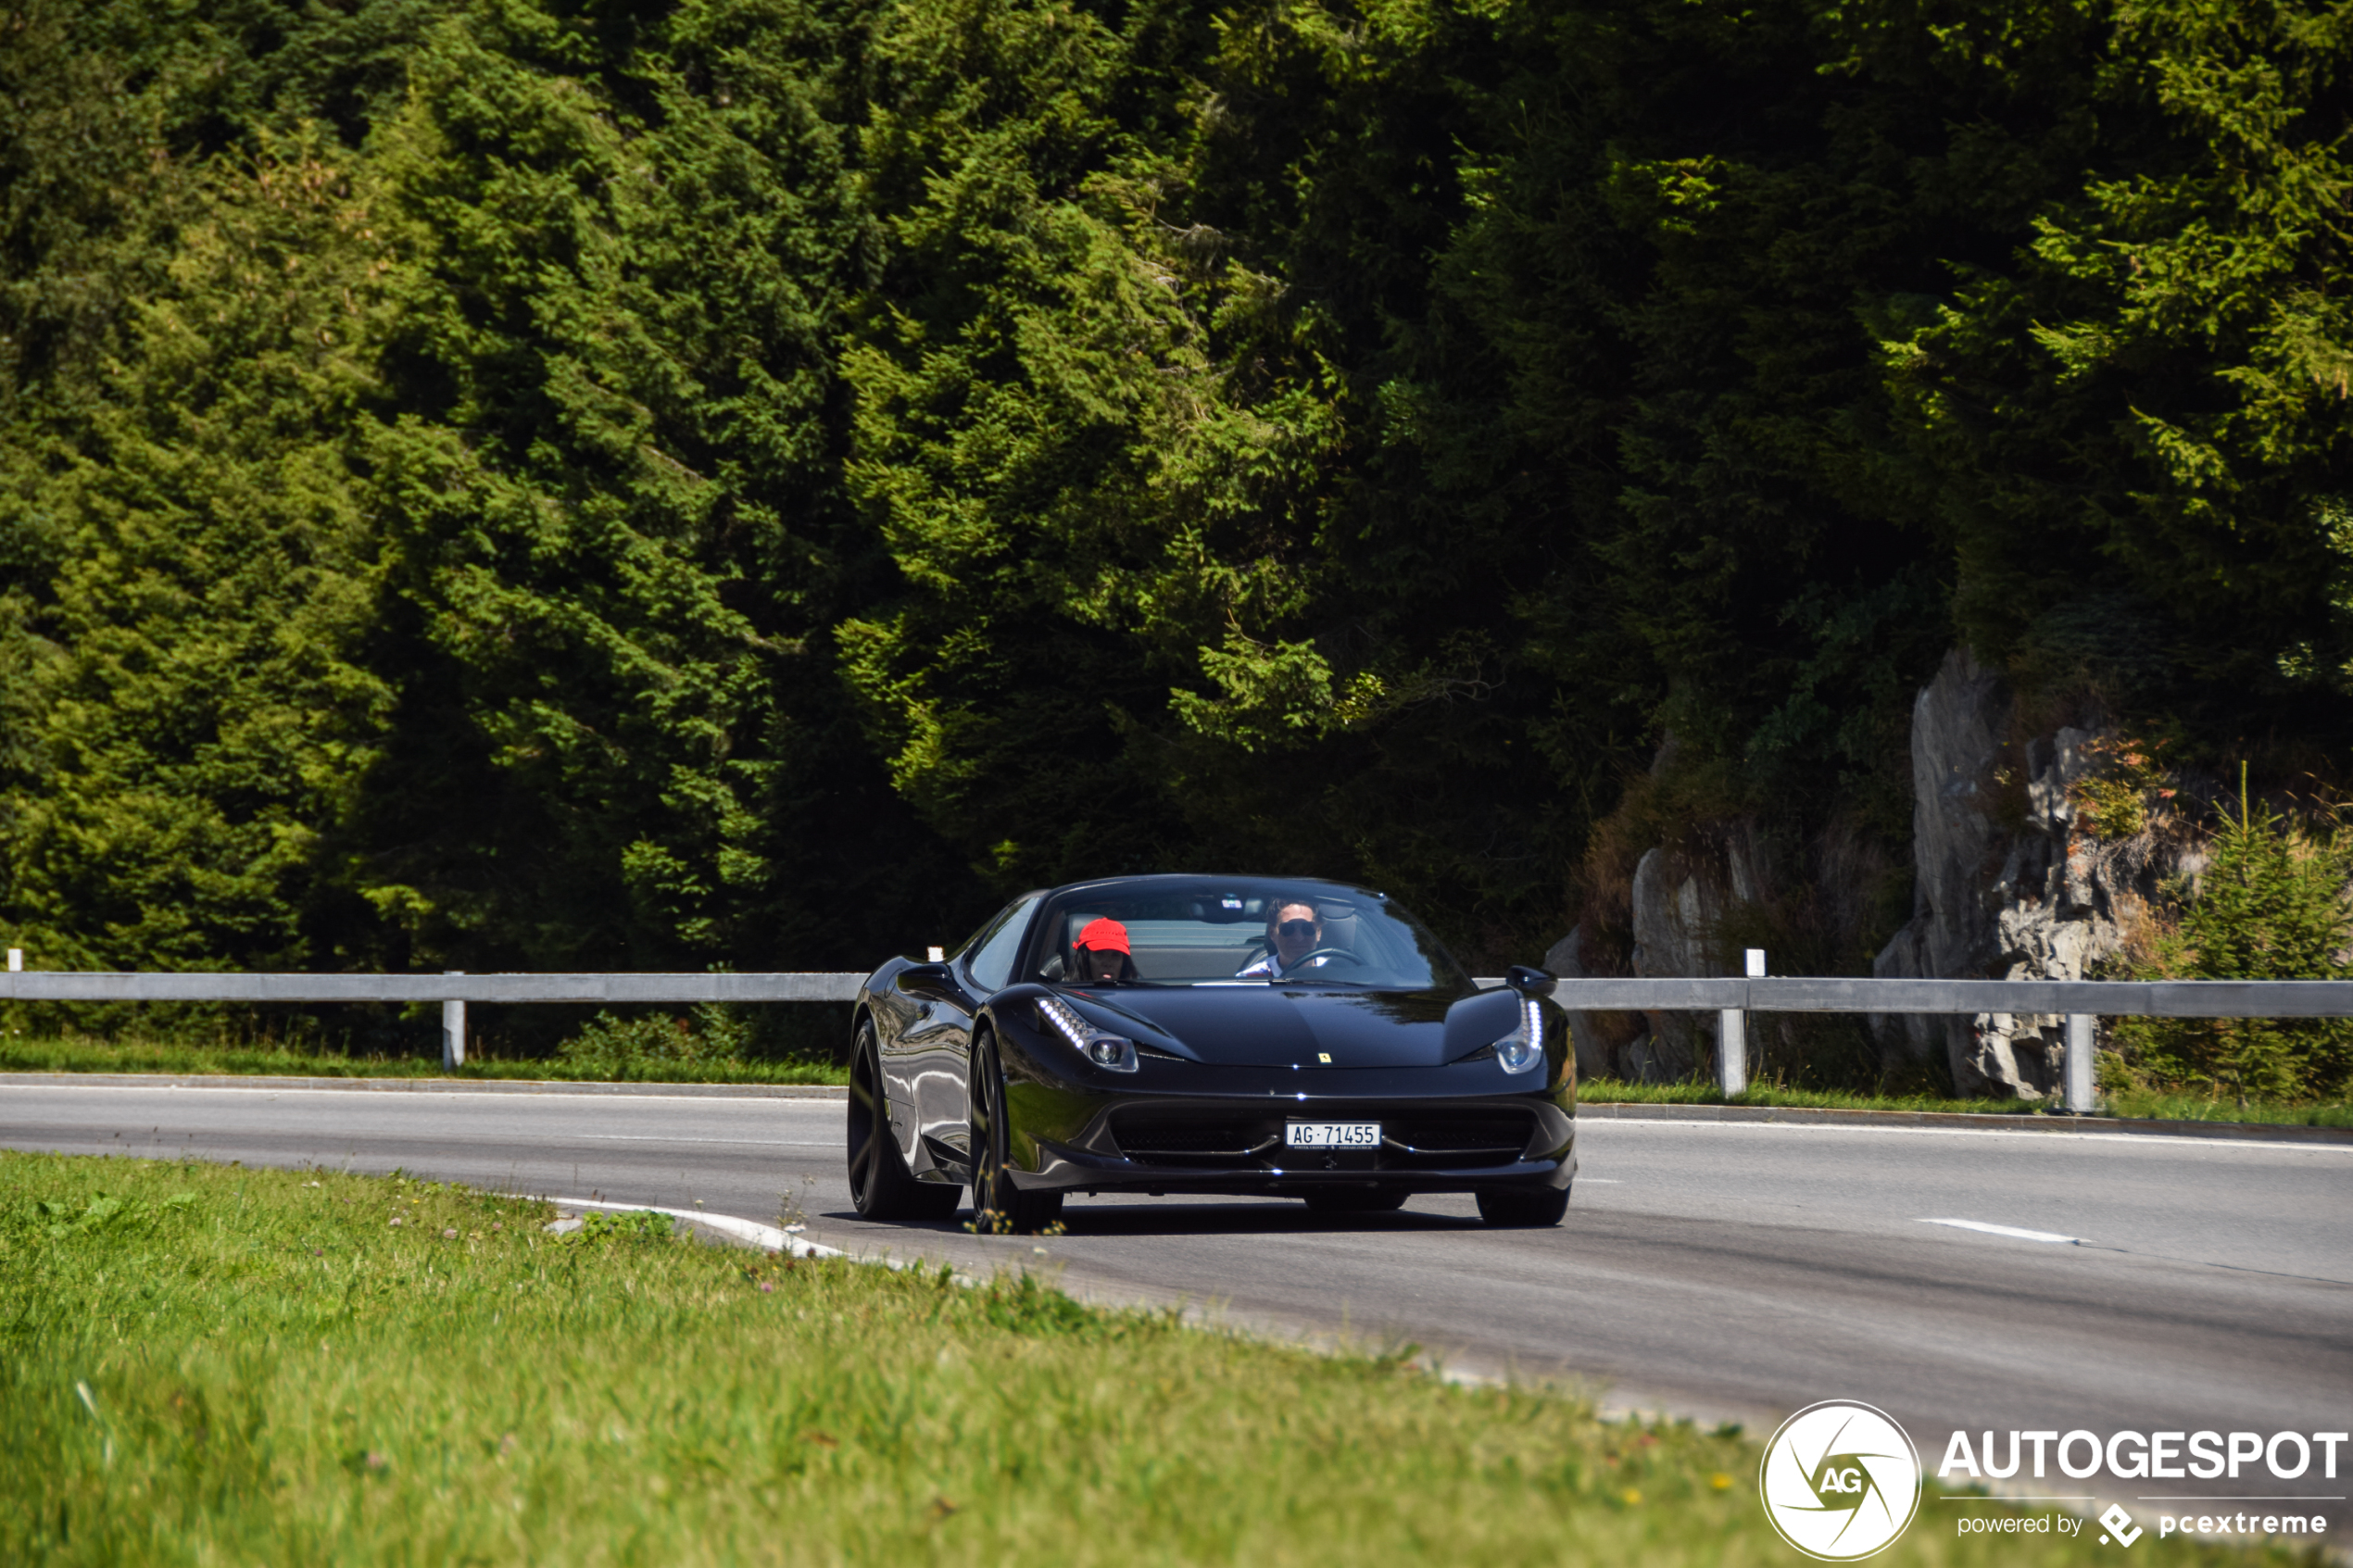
(1052, 970)
(921, 977)
(1529, 982)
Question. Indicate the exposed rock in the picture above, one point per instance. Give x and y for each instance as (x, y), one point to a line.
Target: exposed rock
(1566, 959)
(2032, 899)
(1958, 722)
(1641, 1062)
(1680, 903)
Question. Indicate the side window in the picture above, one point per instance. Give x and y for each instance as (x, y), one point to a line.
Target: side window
(990, 963)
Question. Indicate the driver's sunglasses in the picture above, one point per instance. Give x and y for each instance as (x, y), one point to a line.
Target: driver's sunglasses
(1297, 928)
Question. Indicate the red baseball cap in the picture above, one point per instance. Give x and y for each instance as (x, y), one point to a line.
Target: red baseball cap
(1108, 934)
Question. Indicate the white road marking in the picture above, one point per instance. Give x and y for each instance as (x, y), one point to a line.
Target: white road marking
(2008, 1230)
(405, 1096)
(1589, 1125)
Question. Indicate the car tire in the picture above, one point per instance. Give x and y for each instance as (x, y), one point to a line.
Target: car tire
(1357, 1201)
(881, 1188)
(1524, 1210)
(998, 1207)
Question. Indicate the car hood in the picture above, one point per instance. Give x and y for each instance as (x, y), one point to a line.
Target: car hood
(1306, 1026)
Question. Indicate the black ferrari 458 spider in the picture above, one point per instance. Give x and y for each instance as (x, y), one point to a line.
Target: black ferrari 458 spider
(1206, 1035)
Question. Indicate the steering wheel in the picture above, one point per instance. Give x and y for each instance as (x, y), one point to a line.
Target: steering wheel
(1321, 953)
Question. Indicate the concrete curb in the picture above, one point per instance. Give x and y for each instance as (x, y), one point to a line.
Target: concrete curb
(2262, 1131)
(727, 1227)
(422, 1086)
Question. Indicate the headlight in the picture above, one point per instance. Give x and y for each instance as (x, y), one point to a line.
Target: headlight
(1522, 1050)
(1105, 1050)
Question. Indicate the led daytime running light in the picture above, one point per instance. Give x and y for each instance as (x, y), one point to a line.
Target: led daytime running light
(1522, 1050)
(1063, 1022)
(1107, 1051)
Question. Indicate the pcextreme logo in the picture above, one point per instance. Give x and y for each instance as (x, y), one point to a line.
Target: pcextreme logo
(1840, 1481)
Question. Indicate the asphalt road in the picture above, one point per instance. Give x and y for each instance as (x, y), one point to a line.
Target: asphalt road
(1723, 1270)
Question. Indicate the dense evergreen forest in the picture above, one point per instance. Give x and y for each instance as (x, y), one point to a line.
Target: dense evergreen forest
(548, 483)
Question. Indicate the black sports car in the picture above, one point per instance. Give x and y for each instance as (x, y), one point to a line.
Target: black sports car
(1206, 1035)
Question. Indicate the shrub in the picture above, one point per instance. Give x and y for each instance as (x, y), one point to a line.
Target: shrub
(655, 1046)
(2270, 904)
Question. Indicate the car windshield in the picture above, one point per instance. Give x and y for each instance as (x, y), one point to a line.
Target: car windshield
(1225, 930)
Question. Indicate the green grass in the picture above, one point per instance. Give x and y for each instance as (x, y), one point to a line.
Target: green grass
(85, 1054)
(2121, 1102)
(2199, 1108)
(1607, 1091)
(210, 1364)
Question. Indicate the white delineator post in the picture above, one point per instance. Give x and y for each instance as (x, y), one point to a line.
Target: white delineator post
(453, 1032)
(15, 960)
(1732, 1037)
(2079, 1063)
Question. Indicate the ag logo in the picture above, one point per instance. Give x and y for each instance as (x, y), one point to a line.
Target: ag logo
(1840, 1481)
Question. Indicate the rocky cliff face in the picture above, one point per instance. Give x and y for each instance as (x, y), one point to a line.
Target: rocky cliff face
(1597, 1047)
(2008, 886)
(1680, 905)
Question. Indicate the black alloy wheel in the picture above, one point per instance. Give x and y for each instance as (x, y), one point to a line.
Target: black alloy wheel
(1523, 1210)
(998, 1207)
(1355, 1200)
(880, 1185)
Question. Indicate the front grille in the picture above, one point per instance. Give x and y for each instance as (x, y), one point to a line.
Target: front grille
(1432, 1134)
(1195, 1138)
(1409, 1139)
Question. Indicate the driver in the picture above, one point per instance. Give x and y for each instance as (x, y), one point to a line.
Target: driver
(1294, 935)
(1104, 958)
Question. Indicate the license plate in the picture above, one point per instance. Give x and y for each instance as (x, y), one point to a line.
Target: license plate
(1332, 1134)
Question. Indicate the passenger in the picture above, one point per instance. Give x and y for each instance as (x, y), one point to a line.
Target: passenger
(1103, 955)
(1295, 932)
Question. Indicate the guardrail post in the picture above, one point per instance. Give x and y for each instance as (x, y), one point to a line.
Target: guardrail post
(453, 1032)
(1732, 1037)
(15, 960)
(2079, 1063)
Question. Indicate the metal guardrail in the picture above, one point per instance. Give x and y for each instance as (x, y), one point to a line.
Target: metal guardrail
(452, 990)
(63, 985)
(2113, 998)
(2080, 1000)
(2139, 998)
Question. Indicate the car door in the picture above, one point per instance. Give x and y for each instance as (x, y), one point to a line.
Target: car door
(903, 1009)
(985, 967)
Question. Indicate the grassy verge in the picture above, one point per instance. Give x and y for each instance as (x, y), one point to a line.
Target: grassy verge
(2122, 1102)
(81, 1054)
(212, 1364)
(78, 1054)
(2197, 1107)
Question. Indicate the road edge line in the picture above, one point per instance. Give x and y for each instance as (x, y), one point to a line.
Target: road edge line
(1962, 1121)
